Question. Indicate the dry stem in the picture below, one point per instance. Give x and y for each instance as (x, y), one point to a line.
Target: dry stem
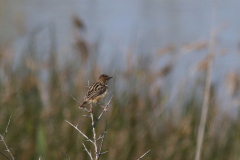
(94, 135)
(205, 107)
(98, 151)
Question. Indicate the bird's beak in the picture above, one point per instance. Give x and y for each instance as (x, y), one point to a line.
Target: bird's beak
(110, 77)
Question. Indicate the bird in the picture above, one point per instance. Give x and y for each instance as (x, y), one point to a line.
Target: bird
(97, 91)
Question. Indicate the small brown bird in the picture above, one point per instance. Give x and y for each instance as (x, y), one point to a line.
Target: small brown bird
(97, 91)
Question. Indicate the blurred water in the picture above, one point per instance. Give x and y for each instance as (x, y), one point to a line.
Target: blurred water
(120, 24)
(144, 24)
(153, 23)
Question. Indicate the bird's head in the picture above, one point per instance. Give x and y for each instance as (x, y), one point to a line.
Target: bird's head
(103, 79)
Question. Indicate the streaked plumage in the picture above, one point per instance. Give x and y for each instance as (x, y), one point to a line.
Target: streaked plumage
(97, 91)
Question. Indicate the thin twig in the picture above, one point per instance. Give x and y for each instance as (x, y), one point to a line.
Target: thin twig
(102, 137)
(8, 150)
(103, 110)
(80, 131)
(76, 100)
(205, 107)
(84, 109)
(144, 154)
(7, 126)
(104, 132)
(40, 157)
(3, 140)
(85, 148)
(86, 116)
(5, 156)
(80, 104)
(65, 155)
(103, 152)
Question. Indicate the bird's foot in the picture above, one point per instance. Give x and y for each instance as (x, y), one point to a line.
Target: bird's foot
(90, 110)
(104, 108)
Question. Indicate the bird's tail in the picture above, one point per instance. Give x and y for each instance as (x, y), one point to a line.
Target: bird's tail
(83, 105)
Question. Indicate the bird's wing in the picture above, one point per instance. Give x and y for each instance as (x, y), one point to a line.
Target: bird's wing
(95, 90)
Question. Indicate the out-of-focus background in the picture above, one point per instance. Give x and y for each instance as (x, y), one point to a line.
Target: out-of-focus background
(156, 50)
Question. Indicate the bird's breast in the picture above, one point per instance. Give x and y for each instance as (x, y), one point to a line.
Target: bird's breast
(98, 98)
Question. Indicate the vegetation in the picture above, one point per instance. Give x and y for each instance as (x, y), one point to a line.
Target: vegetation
(141, 116)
